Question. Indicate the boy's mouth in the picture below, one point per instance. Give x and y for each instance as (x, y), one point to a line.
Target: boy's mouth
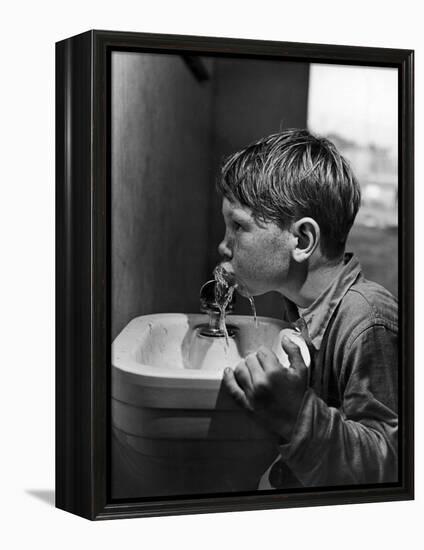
(228, 273)
(232, 279)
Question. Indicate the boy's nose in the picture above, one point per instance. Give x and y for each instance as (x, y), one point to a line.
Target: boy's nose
(224, 249)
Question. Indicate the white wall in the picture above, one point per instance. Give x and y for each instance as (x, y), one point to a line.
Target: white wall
(29, 30)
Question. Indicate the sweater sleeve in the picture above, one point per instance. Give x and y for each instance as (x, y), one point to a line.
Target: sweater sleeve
(356, 443)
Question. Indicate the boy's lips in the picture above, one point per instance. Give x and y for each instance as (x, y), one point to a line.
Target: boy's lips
(232, 279)
(229, 273)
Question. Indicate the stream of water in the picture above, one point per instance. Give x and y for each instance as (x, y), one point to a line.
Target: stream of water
(223, 294)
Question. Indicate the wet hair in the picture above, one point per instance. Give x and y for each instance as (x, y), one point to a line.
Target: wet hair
(293, 174)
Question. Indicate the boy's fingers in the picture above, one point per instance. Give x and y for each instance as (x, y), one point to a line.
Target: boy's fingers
(267, 359)
(255, 368)
(243, 378)
(234, 389)
(293, 353)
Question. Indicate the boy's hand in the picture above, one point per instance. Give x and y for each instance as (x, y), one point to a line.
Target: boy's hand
(272, 392)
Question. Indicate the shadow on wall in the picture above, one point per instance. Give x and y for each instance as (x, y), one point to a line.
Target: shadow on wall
(253, 99)
(45, 495)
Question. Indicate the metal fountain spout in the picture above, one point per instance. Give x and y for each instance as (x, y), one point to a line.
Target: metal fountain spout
(209, 305)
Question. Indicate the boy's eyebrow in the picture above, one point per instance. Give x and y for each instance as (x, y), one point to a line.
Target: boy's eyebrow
(230, 210)
(241, 215)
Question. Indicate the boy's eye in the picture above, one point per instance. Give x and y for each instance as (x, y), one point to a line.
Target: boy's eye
(237, 226)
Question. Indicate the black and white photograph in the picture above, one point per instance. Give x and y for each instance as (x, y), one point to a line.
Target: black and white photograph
(254, 275)
(211, 272)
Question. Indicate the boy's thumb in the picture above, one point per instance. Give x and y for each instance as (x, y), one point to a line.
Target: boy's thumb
(297, 353)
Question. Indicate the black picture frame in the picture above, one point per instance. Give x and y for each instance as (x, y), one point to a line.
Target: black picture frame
(83, 268)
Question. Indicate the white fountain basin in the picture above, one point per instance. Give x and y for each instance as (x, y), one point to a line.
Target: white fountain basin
(175, 428)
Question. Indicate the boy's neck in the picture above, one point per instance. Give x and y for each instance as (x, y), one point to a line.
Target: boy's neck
(311, 285)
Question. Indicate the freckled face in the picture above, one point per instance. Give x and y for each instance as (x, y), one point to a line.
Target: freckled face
(258, 253)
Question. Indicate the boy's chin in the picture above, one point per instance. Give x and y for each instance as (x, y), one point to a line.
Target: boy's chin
(242, 291)
(251, 292)
(246, 292)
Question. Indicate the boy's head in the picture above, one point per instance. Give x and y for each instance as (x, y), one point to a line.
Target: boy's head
(291, 175)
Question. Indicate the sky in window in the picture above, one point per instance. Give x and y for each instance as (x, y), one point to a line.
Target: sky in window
(357, 103)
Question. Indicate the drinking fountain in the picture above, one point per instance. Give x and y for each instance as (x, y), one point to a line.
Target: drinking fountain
(175, 429)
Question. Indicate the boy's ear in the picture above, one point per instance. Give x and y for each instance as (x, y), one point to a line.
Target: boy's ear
(308, 236)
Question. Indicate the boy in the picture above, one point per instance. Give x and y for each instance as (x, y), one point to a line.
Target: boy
(289, 202)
